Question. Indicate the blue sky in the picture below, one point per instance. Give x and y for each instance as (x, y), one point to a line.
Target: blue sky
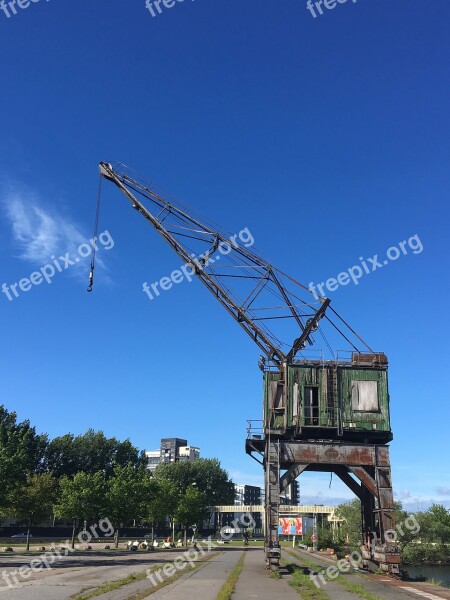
(327, 137)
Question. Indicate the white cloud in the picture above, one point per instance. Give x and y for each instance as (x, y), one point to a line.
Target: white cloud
(39, 232)
(42, 233)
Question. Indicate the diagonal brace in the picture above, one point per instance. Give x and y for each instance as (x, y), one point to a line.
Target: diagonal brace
(291, 475)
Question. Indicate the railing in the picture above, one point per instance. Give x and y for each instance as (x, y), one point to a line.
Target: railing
(255, 429)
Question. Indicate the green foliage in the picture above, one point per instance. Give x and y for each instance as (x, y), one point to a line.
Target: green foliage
(89, 453)
(435, 525)
(83, 497)
(32, 502)
(350, 529)
(205, 473)
(21, 452)
(127, 493)
(192, 507)
(432, 543)
(161, 501)
(325, 537)
(100, 477)
(425, 553)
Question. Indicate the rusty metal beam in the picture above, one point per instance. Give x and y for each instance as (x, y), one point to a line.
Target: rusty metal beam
(365, 479)
(291, 475)
(353, 485)
(337, 454)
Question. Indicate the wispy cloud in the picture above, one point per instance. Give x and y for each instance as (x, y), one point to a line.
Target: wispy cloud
(421, 502)
(39, 232)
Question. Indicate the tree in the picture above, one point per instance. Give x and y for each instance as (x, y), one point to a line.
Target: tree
(161, 501)
(435, 525)
(82, 498)
(350, 529)
(127, 493)
(192, 508)
(21, 452)
(32, 501)
(205, 473)
(325, 537)
(90, 453)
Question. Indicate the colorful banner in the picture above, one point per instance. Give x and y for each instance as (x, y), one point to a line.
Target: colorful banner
(290, 526)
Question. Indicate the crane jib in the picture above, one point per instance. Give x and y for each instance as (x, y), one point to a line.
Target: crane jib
(258, 296)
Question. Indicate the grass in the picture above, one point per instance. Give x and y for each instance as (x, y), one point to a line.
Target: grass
(228, 587)
(356, 588)
(435, 582)
(303, 584)
(250, 543)
(119, 583)
(275, 575)
(113, 585)
(169, 580)
(352, 588)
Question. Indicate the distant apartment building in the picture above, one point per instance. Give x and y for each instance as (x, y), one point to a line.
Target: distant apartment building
(171, 450)
(246, 495)
(291, 495)
(250, 495)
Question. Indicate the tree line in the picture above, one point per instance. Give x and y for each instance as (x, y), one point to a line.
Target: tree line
(89, 477)
(424, 539)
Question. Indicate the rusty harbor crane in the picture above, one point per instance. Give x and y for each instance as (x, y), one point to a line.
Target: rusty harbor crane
(321, 412)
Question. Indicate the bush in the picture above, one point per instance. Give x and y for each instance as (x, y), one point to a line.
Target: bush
(424, 553)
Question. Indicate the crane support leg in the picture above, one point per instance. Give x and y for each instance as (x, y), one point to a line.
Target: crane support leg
(364, 468)
(272, 489)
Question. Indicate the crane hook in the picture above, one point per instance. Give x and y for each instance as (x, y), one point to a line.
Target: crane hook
(91, 279)
(97, 214)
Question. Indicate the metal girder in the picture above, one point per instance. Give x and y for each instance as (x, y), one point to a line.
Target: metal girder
(366, 479)
(332, 454)
(219, 291)
(291, 475)
(353, 485)
(310, 326)
(370, 464)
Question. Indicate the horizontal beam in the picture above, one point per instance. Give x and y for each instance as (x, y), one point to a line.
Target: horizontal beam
(332, 454)
(311, 509)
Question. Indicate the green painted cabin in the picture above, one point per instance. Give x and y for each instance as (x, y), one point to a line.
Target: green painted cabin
(330, 400)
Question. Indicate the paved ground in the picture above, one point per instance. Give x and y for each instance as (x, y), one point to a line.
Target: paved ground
(82, 571)
(255, 581)
(72, 574)
(204, 583)
(380, 585)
